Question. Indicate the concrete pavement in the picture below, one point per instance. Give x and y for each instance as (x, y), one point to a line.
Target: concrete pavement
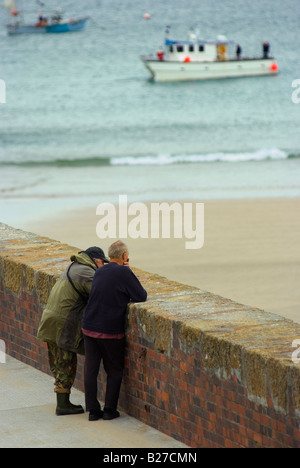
(28, 420)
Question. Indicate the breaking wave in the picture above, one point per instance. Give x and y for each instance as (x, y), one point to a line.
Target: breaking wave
(158, 160)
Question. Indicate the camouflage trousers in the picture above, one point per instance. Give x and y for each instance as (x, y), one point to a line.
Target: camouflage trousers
(63, 365)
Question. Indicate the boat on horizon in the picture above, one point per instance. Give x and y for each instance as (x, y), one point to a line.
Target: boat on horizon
(46, 23)
(196, 59)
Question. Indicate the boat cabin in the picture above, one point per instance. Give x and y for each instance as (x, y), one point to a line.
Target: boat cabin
(195, 51)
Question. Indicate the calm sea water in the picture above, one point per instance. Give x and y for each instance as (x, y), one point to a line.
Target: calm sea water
(83, 123)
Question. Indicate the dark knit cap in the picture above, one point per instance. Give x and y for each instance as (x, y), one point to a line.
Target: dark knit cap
(95, 252)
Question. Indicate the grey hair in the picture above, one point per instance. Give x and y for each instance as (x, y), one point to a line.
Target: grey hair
(117, 249)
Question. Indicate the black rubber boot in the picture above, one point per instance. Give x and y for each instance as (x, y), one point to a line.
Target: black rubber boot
(64, 406)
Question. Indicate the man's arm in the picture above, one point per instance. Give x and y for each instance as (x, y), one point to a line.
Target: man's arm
(135, 290)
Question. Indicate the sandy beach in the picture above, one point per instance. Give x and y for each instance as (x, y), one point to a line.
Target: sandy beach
(251, 251)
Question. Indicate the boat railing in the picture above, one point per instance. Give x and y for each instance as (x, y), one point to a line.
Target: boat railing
(149, 57)
(154, 58)
(244, 59)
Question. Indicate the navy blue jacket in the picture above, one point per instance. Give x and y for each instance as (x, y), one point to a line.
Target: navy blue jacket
(113, 287)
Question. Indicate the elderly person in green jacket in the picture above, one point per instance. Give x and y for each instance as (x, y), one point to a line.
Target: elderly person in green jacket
(60, 325)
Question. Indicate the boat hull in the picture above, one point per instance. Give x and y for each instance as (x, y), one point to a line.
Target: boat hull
(74, 25)
(181, 71)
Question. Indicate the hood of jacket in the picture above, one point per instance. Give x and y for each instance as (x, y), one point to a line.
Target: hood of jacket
(83, 259)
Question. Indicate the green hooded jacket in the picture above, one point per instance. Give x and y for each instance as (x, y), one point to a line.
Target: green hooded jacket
(62, 316)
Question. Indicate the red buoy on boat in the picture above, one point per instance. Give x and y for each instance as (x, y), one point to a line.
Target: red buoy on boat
(274, 67)
(14, 12)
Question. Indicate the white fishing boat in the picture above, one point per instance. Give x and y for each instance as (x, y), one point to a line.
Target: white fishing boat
(196, 59)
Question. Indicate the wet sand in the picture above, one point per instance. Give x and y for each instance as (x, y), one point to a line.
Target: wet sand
(251, 251)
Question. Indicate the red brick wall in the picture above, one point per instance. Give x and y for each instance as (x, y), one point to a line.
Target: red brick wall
(178, 395)
(202, 388)
(19, 319)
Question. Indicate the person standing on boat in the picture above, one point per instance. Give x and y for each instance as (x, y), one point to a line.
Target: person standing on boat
(238, 51)
(60, 325)
(266, 49)
(42, 21)
(160, 54)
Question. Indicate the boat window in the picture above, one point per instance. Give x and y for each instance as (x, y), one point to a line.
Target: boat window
(180, 48)
(191, 48)
(201, 48)
(171, 48)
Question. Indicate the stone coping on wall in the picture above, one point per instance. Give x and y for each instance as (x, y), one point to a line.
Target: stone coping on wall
(235, 340)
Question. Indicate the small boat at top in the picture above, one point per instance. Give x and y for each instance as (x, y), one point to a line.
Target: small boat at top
(196, 59)
(49, 23)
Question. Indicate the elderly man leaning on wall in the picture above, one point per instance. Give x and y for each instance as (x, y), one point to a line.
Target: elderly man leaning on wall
(114, 286)
(60, 325)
